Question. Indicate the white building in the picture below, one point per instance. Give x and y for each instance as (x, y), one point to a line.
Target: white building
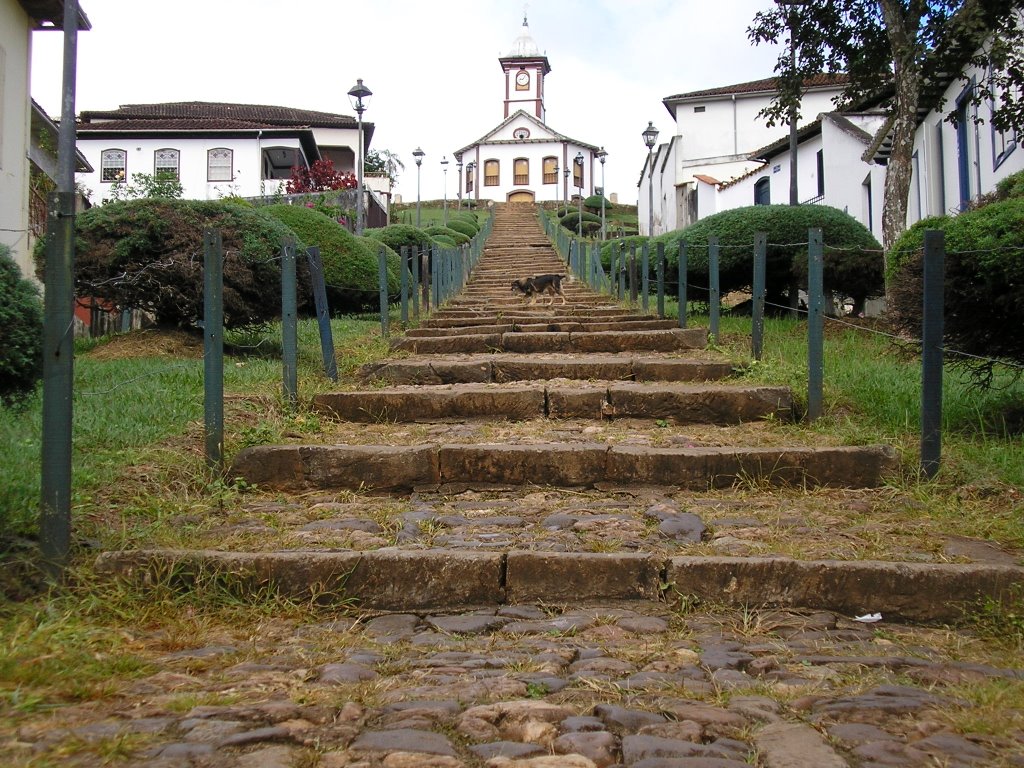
(714, 132)
(523, 159)
(841, 160)
(23, 124)
(215, 149)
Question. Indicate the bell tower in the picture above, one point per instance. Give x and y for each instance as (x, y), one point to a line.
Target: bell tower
(525, 67)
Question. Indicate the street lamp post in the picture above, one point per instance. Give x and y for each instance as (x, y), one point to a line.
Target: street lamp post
(601, 155)
(458, 165)
(359, 95)
(565, 191)
(650, 135)
(556, 187)
(470, 180)
(579, 224)
(444, 166)
(418, 155)
(791, 6)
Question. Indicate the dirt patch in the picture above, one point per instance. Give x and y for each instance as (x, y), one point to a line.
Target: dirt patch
(150, 343)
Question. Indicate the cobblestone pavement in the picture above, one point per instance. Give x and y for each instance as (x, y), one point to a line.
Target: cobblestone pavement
(632, 685)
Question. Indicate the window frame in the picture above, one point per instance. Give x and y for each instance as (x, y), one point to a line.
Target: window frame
(158, 169)
(549, 176)
(122, 174)
(492, 179)
(230, 165)
(521, 179)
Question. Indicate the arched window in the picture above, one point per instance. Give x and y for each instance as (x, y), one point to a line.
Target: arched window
(521, 171)
(550, 170)
(492, 173)
(763, 191)
(220, 165)
(165, 164)
(113, 165)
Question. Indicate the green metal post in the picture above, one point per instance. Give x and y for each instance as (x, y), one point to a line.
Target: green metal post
(931, 351)
(660, 267)
(289, 324)
(323, 313)
(645, 273)
(714, 292)
(757, 310)
(815, 323)
(682, 284)
(404, 281)
(213, 348)
(382, 281)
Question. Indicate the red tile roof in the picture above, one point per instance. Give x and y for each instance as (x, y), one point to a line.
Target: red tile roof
(769, 84)
(192, 114)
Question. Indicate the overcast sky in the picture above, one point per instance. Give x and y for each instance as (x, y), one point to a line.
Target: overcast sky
(432, 66)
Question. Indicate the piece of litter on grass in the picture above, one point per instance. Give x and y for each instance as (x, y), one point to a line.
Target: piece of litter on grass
(868, 618)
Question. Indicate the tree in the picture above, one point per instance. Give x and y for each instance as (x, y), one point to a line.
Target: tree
(892, 51)
(165, 185)
(383, 161)
(321, 176)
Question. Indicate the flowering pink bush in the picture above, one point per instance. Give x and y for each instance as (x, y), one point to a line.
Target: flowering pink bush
(319, 177)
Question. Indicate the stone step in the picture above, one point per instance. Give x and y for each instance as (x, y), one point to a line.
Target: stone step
(445, 579)
(540, 325)
(451, 317)
(512, 367)
(402, 469)
(599, 341)
(674, 403)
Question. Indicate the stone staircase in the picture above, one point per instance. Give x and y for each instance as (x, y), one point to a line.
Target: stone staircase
(510, 451)
(491, 355)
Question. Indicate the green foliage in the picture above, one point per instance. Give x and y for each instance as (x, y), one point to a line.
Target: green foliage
(148, 254)
(459, 225)
(591, 222)
(397, 235)
(1011, 186)
(21, 333)
(146, 185)
(853, 258)
(444, 241)
(458, 238)
(350, 262)
(984, 286)
(383, 161)
(593, 203)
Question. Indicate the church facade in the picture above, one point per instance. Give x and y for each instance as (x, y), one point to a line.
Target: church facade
(523, 159)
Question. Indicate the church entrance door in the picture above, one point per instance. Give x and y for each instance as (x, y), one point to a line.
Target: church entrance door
(521, 197)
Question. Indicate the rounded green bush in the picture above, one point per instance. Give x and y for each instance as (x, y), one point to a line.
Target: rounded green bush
(148, 254)
(444, 241)
(984, 281)
(457, 237)
(570, 220)
(853, 258)
(21, 333)
(594, 203)
(396, 235)
(463, 226)
(350, 262)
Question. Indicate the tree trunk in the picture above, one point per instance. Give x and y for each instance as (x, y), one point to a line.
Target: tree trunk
(902, 30)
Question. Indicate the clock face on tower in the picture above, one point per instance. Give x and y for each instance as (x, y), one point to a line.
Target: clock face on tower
(522, 80)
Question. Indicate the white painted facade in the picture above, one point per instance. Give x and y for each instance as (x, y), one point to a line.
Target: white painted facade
(15, 119)
(522, 158)
(713, 134)
(953, 165)
(245, 180)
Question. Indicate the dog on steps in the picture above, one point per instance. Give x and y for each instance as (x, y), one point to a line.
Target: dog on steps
(532, 287)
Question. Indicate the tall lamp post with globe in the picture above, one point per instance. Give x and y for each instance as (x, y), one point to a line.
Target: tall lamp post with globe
(601, 155)
(444, 167)
(650, 135)
(360, 95)
(418, 155)
(579, 162)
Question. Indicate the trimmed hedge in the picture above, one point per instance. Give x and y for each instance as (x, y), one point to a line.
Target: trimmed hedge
(21, 333)
(350, 262)
(984, 285)
(397, 235)
(853, 258)
(460, 225)
(594, 203)
(447, 232)
(148, 254)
